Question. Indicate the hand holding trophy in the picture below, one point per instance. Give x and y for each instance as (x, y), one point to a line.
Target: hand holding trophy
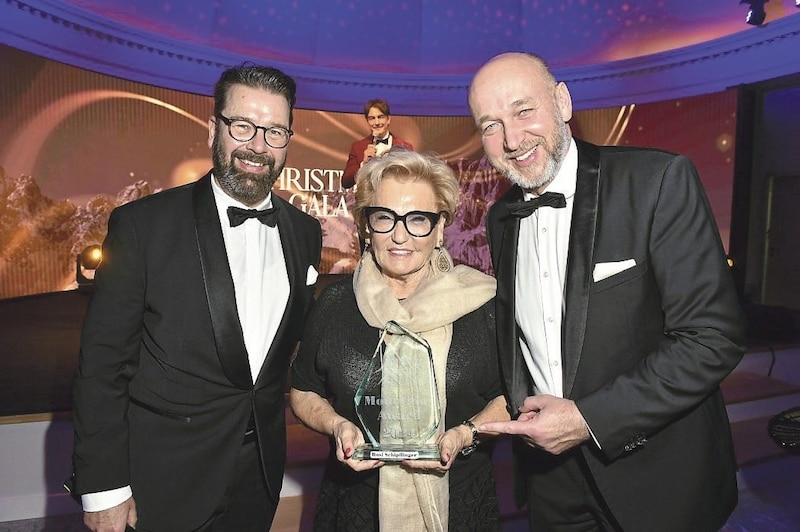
(397, 401)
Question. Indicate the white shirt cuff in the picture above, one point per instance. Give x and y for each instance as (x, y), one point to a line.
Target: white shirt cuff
(103, 500)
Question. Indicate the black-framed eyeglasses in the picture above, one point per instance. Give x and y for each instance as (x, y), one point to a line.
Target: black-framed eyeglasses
(417, 223)
(243, 130)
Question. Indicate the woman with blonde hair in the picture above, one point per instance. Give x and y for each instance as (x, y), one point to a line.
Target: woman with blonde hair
(403, 202)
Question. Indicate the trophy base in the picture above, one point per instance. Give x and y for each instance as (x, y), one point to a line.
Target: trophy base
(397, 453)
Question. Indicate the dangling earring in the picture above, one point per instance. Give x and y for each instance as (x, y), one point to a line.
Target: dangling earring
(442, 261)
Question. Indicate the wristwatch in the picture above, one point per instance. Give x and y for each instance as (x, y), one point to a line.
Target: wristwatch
(474, 445)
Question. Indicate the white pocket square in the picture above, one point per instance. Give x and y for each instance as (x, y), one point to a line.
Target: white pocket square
(311, 276)
(604, 270)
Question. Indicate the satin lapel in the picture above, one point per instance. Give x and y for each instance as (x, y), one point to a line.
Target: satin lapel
(514, 371)
(579, 263)
(293, 266)
(219, 287)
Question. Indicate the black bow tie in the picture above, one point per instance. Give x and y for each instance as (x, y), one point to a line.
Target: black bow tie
(382, 141)
(523, 209)
(238, 216)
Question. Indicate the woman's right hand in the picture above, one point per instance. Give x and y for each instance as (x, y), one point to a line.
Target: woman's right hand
(348, 437)
(316, 413)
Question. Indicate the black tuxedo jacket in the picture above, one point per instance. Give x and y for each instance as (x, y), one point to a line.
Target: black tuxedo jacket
(163, 392)
(356, 157)
(643, 350)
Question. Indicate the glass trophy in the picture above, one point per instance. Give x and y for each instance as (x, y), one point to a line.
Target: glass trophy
(397, 401)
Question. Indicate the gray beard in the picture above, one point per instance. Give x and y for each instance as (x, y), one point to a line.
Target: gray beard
(552, 165)
(550, 171)
(246, 187)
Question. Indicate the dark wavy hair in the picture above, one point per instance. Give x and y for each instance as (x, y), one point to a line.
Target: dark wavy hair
(381, 105)
(256, 77)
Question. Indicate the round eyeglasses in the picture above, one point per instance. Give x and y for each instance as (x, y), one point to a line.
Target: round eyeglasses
(417, 223)
(242, 130)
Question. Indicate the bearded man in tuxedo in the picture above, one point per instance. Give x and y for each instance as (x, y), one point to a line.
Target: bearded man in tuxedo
(198, 304)
(617, 318)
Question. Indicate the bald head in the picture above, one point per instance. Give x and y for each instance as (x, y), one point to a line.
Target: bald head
(522, 114)
(525, 67)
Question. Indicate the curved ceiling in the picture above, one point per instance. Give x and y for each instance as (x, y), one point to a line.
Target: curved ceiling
(433, 37)
(419, 54)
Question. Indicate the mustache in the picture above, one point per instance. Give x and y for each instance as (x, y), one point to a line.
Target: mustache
(258, 158)
(526, 147)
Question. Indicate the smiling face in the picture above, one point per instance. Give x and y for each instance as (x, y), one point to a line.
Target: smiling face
(402, 258)
(378, 122)
(246, 171)
(522, 114)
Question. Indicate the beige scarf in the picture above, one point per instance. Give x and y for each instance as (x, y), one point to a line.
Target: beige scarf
(410, 501)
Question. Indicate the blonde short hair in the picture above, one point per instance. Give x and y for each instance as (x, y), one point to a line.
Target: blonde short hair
(405, 165)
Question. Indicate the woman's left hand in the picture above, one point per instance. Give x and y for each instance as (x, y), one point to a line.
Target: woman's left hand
(450, 444)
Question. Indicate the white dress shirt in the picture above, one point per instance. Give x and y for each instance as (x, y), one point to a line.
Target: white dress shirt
(260, 280)
(541, 278)
(381, 148)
